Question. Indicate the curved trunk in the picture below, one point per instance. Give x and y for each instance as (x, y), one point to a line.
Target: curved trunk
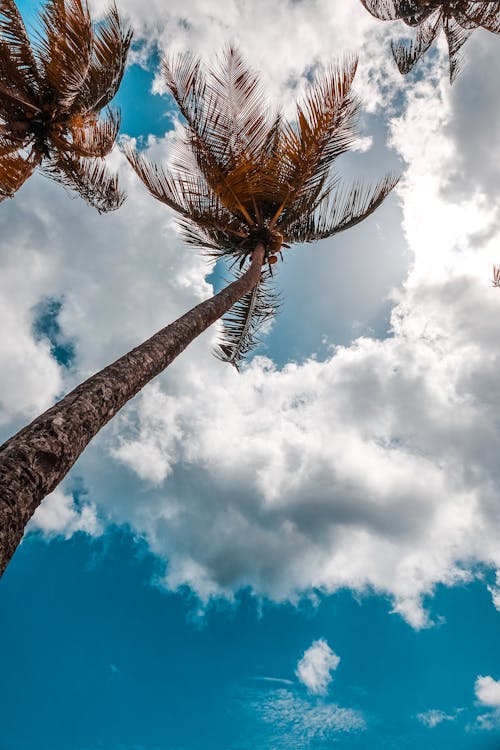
(36, 459)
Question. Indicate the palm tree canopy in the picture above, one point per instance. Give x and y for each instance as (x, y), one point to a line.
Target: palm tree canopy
(51, 94)
(243, 175)
(457, 18)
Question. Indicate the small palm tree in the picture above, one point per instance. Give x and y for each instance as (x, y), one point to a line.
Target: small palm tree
(51, 94)
(457, 18)
(246, 184)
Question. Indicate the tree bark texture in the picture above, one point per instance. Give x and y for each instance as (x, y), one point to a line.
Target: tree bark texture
(35, 460)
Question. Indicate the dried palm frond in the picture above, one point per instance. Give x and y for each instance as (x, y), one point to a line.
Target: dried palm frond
(341, 210)
(15, 170)
(90, 178)
(457, 18)
(244, 176)
(407, 54)
(51, 94)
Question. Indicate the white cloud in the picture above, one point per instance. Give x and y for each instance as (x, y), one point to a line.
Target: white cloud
(315, 668)
(434, 716)
(58, 516)
(297, 41)
(488, 691)
(30, 378)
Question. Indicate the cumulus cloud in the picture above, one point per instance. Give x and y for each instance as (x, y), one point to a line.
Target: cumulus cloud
(315, 667)
(59, 516)
(488, 691)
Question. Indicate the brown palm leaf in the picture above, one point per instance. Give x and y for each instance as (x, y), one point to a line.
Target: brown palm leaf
(90, 178)
(244, 177)
(15, 170)
(51, 95)
(457, 18)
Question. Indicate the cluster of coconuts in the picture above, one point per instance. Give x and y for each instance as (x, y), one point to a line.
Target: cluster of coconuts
(274, 247)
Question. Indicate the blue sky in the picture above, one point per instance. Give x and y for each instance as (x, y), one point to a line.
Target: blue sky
(97, 657)
(334, 506)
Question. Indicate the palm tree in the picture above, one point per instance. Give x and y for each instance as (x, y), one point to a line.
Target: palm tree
(457, 18)
(244, 178)
(246, 184)
(51, 94)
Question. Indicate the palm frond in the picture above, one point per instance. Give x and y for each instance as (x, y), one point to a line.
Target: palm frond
(236, 110)
(7, 144)
(343, 209)
(407, 54)
(390, 10)
(16, 45)
(90, 178)
(325, 129)
(110, 48)
(456, 37)
(14, 171)
(223, 148)
(161, 185)
(187, 84)
(13, 103)
(64, 49)
(95, 137)
(474, 14)
(242, 325)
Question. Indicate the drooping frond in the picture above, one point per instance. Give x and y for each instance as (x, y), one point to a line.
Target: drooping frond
(407, 54)
(343, 209)
(458, 18)
(110, 48)
(64, 49)
(90, 178)
(14, 171)
(241, 326)
(456, 37)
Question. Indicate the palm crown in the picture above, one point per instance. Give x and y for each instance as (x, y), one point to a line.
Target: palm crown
(51, 94)
(457, 18)
(243, 176)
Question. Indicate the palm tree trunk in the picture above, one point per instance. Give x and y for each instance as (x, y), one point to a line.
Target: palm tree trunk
(36, 459)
